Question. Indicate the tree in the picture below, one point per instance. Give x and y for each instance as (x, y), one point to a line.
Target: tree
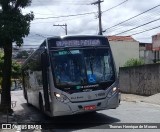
(22, 55)
(16, 68)
(133, 62)
(14, 26)
(1, 61)
(1, 65)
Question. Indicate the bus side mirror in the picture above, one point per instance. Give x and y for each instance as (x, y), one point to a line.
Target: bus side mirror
(45, 59)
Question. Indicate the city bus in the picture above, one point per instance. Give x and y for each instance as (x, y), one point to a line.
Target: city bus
(70, 75)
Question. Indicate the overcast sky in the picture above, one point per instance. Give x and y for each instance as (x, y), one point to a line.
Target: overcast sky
(88, 24)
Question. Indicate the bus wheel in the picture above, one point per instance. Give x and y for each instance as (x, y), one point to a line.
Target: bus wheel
(28, 104)
(92, 112)
(41, 103)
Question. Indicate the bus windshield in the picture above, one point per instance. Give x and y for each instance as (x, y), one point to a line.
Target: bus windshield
(69, 67)
(82, 66)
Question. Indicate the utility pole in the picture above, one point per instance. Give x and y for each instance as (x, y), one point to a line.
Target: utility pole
(99, 15)
(62, 25)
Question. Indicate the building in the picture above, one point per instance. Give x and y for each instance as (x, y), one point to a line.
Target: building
(146, 53)
(156, 47)
(124, 48)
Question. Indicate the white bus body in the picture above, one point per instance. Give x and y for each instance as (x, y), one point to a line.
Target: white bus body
(70, 75)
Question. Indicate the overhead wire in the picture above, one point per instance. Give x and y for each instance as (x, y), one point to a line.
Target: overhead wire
(138, 26)
(115, 6)
(135, 21)
(66, 2)
(80, 14)
(132, 17)
(87, 13)
(145, 30)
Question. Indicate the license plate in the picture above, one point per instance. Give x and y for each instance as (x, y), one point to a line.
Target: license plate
(90, 107)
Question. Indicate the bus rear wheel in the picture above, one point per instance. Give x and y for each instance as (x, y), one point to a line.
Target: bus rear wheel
(28, 104)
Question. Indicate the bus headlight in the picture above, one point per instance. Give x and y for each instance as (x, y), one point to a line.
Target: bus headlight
(57, 95)
(61, 98)
(112, 91)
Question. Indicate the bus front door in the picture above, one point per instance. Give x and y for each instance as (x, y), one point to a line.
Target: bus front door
(44, 60)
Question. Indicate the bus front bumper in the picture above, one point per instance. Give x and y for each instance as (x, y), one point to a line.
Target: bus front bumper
(79, 107)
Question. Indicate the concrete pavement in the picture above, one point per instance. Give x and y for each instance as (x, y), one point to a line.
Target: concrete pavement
(131, 110)
(154, 99)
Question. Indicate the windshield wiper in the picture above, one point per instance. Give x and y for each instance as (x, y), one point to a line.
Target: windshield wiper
(91, 64)
(91, 60)
(104, 70)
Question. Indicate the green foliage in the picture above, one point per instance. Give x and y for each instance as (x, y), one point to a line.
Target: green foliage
(16, 67)
(1, 62)
(133, 62)
(13, 24)
(22, 55)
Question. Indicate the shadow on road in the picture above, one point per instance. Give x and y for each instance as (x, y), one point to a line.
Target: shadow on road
(31, 115)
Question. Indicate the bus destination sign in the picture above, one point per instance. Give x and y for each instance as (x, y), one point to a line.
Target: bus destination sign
(73, 43)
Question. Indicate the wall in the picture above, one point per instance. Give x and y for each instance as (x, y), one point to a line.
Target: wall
(146, 53)
(156, 41)
(147, 56)
(123, 51)
(142, 80)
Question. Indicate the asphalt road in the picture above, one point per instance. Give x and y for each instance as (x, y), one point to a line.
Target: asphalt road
(127, 112)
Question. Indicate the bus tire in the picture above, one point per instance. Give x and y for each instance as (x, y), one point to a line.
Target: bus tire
(41, 103)
(28, 104)
(92, 112)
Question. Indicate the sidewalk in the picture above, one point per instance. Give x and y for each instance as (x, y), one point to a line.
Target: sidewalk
(154, 99)
(132, 97)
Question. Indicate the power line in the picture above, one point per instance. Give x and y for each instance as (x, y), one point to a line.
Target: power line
(145, 17)
(137, 21)
(131, 18)
(64, 15)
(115, 6)
(138, 26)
(64, 2)
(41, 35)
(67, 15)
(69, 19)
(146, 30)
(129, 35)
(81, 14)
